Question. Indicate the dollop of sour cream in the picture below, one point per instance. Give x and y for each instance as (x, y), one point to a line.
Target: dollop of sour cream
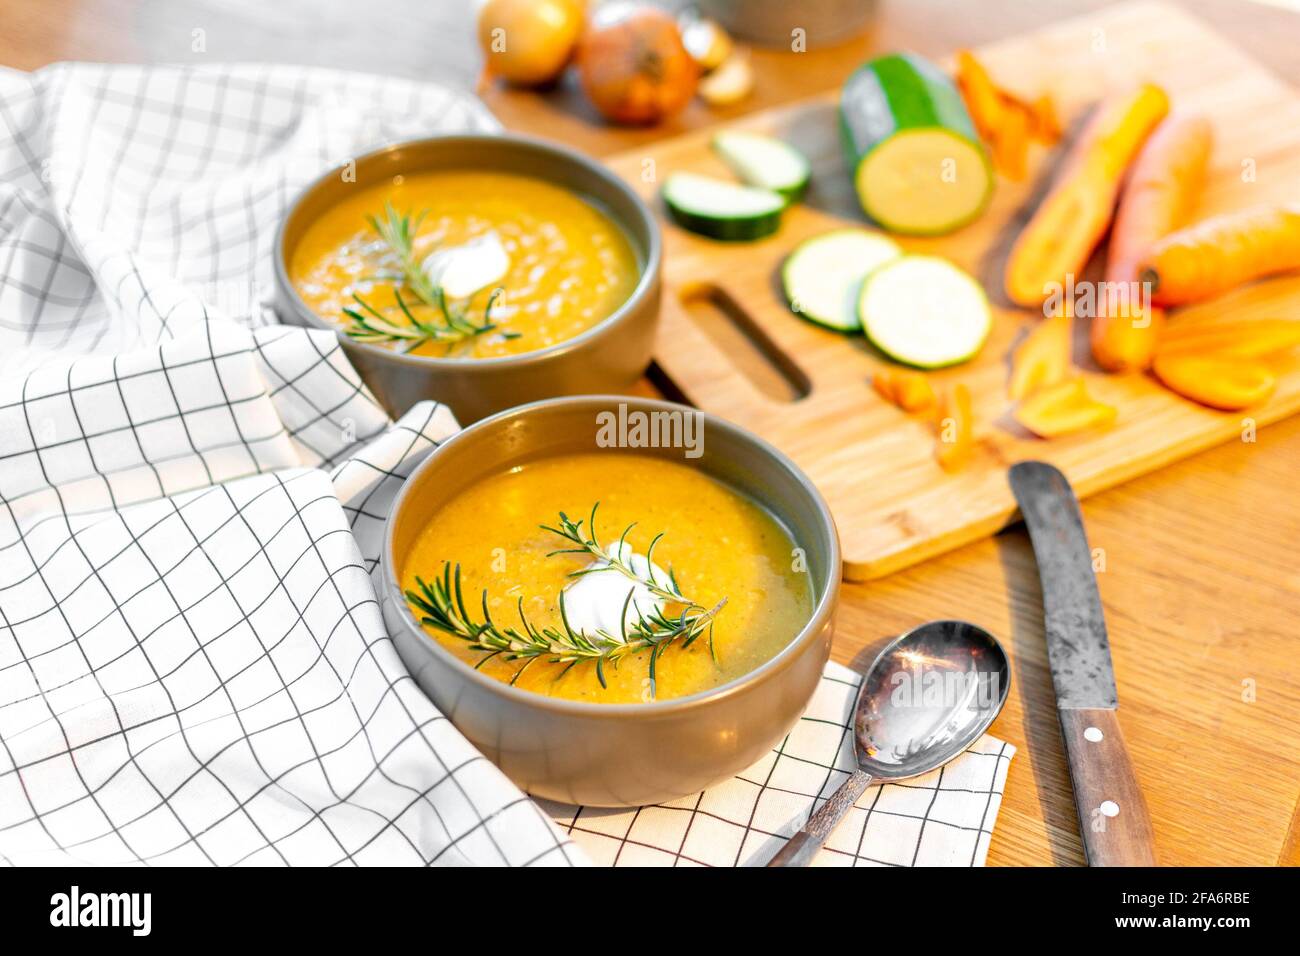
(595, 600)
(465, 269)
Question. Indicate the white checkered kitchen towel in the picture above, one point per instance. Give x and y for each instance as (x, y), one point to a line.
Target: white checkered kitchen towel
(192, 665)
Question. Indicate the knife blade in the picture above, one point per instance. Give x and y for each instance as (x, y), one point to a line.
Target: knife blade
(1113, 818)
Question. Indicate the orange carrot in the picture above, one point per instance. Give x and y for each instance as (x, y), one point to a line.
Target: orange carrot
(1227, 384)
(1223, 252)
(1125, 335)
(1043, 358)
(1070, 222)
(1159, 197)
(884, 386)
(956, 429)
(1011, 147)
(1061, 409)
(1242, 339)
(908, 389)
(1046, 125)
(1005, 122)
(983, 98)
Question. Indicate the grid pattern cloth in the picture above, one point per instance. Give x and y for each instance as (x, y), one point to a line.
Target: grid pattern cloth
(944, 818)
(193, 668)
(137, 202)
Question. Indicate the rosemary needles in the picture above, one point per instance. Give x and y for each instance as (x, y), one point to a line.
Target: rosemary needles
(450, 324)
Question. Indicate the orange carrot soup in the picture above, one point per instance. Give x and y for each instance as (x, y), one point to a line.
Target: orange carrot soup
(464, 264)
(676, 584)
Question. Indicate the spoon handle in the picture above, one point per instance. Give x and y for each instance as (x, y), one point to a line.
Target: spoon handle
(803, 846)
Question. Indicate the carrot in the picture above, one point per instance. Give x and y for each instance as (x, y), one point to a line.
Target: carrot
(1158, 198)
(983, 99)
(1070, 222)
(1005, 122)
(1243, 339)
(956, 429)
(1124, 336)
(1222, 252)
(1061, 409)
(1043, 358)
(1046, 125)
(1226, 384)
(908, 389)
(884, 386)
(1011, 147)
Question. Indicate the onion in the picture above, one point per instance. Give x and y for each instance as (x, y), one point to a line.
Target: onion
(705, 41)
(529, 42)
(729, 83)
(633, 65)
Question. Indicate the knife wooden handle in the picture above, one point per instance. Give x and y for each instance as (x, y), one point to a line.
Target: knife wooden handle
(1113, 818)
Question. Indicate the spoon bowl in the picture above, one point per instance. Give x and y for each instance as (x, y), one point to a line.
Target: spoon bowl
(927, 696)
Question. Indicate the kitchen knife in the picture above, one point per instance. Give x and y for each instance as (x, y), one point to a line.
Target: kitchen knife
(1113, 817)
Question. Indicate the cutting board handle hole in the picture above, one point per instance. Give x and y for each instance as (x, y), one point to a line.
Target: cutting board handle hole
(736, 334)
(666, 385)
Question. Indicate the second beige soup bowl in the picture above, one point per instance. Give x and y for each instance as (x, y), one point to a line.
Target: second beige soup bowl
(616, 754)
(608, 357)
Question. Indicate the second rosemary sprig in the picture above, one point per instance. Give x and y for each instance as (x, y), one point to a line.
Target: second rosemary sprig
(370, 324)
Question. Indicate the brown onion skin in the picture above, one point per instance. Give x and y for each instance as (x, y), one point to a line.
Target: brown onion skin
(633, 66)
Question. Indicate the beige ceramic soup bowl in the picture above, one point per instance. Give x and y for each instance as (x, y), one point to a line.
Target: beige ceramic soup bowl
(616, 754)
(608, 357)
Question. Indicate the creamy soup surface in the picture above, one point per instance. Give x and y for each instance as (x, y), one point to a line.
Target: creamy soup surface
(570, 265)
(717, 542)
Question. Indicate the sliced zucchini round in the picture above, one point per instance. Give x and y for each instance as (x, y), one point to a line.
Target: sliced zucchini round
(924, 311)
(765, 162)
(823, 277)
(722, 210)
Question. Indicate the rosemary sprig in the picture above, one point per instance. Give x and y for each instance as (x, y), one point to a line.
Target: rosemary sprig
(398, 233)
(368, 324)
(587, 543)
(371, 325)
(442, 605)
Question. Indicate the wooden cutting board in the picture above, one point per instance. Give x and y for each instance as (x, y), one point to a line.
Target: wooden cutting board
(730, 344)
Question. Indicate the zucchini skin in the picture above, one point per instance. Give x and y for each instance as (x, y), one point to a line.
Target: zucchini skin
(899, 92)
(728, 230)
(793, 193)
(880, 99)
(810, 247)
(791, 298)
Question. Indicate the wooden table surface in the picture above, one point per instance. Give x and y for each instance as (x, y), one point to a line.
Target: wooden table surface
(1202, 578)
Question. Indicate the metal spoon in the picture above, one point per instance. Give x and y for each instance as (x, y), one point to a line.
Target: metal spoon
(926, 698)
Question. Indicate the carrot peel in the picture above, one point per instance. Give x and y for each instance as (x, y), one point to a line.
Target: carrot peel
(1243, 339)
(984, 100)
(1005, 122)
(1063, 409)
(909, 390)
(1042, 359)
(1226, 384)
(956, 429)
(1125, 338)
